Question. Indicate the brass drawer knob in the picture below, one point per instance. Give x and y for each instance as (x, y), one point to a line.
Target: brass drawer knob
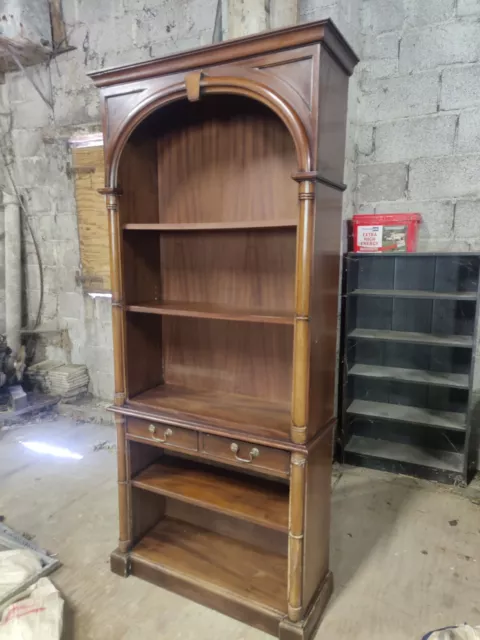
(254, 453)
(153, 429)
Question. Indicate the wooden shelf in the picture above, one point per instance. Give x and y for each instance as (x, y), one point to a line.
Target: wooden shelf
(413, 337)
(213, 311)
(212, 226)
(403, 413)
(416, 376)
(215, 562)
(405, 453)
(194, 407)
(454, 295)
(241, 496)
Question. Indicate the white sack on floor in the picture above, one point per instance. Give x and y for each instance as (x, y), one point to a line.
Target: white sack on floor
(35, 614)
(16, 567)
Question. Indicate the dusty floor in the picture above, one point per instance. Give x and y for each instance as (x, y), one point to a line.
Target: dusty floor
(405, 553)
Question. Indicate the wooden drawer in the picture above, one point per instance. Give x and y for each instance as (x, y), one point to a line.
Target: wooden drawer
(246, 454)
(163, 435)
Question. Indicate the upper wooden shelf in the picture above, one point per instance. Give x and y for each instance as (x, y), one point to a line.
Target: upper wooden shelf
(228, 411)
(213, 311)
(212, 226)
(241, 496)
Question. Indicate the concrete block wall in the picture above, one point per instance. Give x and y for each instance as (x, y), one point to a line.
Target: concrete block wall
(75, 327)
(417, 142)
(412, 144)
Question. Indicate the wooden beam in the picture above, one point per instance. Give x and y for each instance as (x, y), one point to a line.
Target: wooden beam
(59, 33)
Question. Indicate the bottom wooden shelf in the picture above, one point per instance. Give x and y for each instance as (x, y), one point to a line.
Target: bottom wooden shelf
(216, 563)
(404, 458)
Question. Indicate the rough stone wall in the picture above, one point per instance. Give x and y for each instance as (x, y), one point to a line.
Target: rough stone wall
(74, 327)
(418, 134)
(413, 141)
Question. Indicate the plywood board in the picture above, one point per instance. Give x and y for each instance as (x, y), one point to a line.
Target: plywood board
(92, 218)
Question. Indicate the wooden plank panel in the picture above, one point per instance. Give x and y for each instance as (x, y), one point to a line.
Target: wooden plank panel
(240, 413)
(224, 159)
(92, 218)
(250, 269)
(253, 360)
(211, 226)
(213, 311)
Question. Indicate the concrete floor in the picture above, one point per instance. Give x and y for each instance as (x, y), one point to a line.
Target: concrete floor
(405, 553)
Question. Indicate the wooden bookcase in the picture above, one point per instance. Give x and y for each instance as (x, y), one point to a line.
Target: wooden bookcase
(224, 190)
(409, 348)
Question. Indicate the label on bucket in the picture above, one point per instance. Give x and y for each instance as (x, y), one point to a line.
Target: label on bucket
(382, 238)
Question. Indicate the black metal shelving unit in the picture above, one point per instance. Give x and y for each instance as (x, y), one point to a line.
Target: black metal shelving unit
(406, 402)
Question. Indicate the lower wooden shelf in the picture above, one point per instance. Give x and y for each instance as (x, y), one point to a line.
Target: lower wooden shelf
(252, 416)
(261, 502)
(215, 563)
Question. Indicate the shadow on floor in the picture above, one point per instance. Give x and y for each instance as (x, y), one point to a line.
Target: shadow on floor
(364, 511)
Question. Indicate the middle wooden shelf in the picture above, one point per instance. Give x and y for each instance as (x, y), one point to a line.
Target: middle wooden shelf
(213, 311)
(262, 502)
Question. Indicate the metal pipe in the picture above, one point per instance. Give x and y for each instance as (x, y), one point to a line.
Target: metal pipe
(13, 271)
(245, 17)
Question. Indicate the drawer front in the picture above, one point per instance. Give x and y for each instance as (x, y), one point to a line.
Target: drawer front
(163, 435)
(246, 454)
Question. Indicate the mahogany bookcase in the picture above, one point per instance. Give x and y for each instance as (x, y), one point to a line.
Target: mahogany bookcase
(224, 170)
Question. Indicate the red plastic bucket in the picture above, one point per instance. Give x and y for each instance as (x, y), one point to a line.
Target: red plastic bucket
(385, 232)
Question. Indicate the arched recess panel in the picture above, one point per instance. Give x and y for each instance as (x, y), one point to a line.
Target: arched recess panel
(221, 159)
(209, 206)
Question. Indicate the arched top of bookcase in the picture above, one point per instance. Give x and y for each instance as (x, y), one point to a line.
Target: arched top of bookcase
(208, 86)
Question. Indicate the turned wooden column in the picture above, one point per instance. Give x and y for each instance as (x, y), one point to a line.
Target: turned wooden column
(118, 322)
(301, 340)
(295, 536)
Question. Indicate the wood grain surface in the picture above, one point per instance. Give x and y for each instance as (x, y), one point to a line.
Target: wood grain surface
(245, 497)
(266, 458)
(213, 312)
(92, 218)
(210, 558)
(243, 269)
(238, 412)
(238, 358)
(225, 158)
(210, 226)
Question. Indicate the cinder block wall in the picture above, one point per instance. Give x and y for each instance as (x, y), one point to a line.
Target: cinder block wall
(418, 113)
(106, 33)
(413, 139)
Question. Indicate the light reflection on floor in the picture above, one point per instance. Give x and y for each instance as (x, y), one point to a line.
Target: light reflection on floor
(51, 450)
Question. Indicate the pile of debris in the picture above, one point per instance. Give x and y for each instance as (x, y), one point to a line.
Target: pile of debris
(69, 381)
